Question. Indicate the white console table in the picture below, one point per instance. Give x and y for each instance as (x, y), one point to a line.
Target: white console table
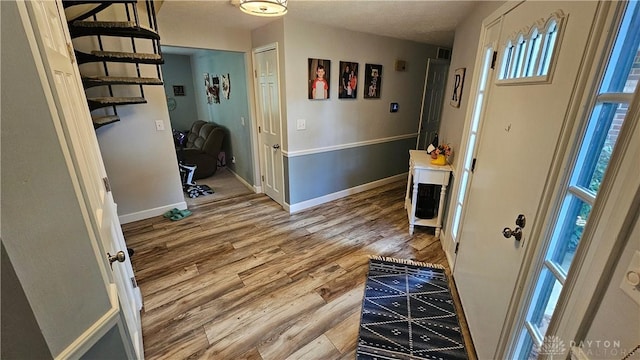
(421, 171)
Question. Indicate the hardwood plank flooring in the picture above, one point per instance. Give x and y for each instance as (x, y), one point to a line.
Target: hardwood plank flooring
(243, 279)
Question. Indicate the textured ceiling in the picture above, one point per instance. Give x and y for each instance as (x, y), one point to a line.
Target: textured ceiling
(425, 21)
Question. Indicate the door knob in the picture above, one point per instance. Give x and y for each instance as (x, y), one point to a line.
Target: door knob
(119, 256)
(276, 146)
(517, 233)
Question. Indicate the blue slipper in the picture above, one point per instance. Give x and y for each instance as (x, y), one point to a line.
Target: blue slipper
(180, 214)
(170, 213)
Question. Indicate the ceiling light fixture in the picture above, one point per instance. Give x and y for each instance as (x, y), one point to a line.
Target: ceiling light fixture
(264, 7)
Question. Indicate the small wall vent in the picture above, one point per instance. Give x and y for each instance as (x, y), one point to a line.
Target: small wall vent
(444, 53)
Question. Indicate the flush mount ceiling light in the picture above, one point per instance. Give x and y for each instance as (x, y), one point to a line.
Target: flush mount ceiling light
(264, 7)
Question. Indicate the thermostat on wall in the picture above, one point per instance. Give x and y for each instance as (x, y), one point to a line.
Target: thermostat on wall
(394, 107)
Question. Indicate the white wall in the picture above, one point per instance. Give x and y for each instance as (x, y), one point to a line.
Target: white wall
(204, 35)
(463, 55)
(617, 320)
(141, 162)
(342, 121)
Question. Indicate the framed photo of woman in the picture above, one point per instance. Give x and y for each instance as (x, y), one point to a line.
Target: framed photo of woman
(348, 82)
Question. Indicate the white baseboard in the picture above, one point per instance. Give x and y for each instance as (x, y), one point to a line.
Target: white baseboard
(450, 259)
(141, 215)
(145, 214)
(449, 249)
(340, 194)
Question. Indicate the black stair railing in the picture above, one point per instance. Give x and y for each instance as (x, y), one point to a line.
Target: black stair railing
(129, 26)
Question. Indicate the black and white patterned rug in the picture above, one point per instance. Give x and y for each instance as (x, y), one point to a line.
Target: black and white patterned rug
(193, 191)
(408, 313)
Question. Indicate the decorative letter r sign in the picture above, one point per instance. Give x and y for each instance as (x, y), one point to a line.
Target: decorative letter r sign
(458, 81)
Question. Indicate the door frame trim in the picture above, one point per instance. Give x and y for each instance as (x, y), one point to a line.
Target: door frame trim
(447, 242)
(283, 148)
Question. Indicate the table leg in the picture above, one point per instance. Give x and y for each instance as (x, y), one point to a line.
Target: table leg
(443, 192)
(406, 196)
(414, 200)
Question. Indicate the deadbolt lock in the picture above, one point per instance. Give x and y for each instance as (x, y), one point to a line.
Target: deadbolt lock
(521, 221)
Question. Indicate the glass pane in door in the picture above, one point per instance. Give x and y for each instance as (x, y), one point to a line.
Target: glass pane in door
(545, 298)
(600, 138)
(568, 232)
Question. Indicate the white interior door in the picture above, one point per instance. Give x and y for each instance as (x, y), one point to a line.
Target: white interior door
(523, 120)
(432, 100)
(53, 38)
(269, 122)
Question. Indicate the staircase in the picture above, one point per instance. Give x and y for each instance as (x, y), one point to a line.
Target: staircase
(99, 28)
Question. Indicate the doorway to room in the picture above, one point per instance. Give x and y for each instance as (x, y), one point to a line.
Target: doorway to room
(211, 86)
(432, 100)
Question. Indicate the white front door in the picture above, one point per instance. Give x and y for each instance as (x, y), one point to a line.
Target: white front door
(540, 48)
(269, 122)
(55, 46)
(432, 100)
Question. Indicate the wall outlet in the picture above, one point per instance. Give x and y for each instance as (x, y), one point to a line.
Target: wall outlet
(301, 124)
(233, 159)
(242, 120)
(159, 125)
(630, 283)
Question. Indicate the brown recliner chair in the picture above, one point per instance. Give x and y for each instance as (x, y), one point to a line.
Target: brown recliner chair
(204, 143)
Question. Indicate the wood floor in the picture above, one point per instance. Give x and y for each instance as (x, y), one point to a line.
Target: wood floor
(243, 279)
(224, 184)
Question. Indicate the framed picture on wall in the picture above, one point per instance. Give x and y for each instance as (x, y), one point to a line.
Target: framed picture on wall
(226, 86)
(458, 81)
(348, 82)
(215, 89)
(372, 81)
(178, 90)
(319, 75)
(208, 89)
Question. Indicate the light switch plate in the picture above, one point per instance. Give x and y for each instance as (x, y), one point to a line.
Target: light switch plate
(301, 124)
(159, 125)
(630, 277)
